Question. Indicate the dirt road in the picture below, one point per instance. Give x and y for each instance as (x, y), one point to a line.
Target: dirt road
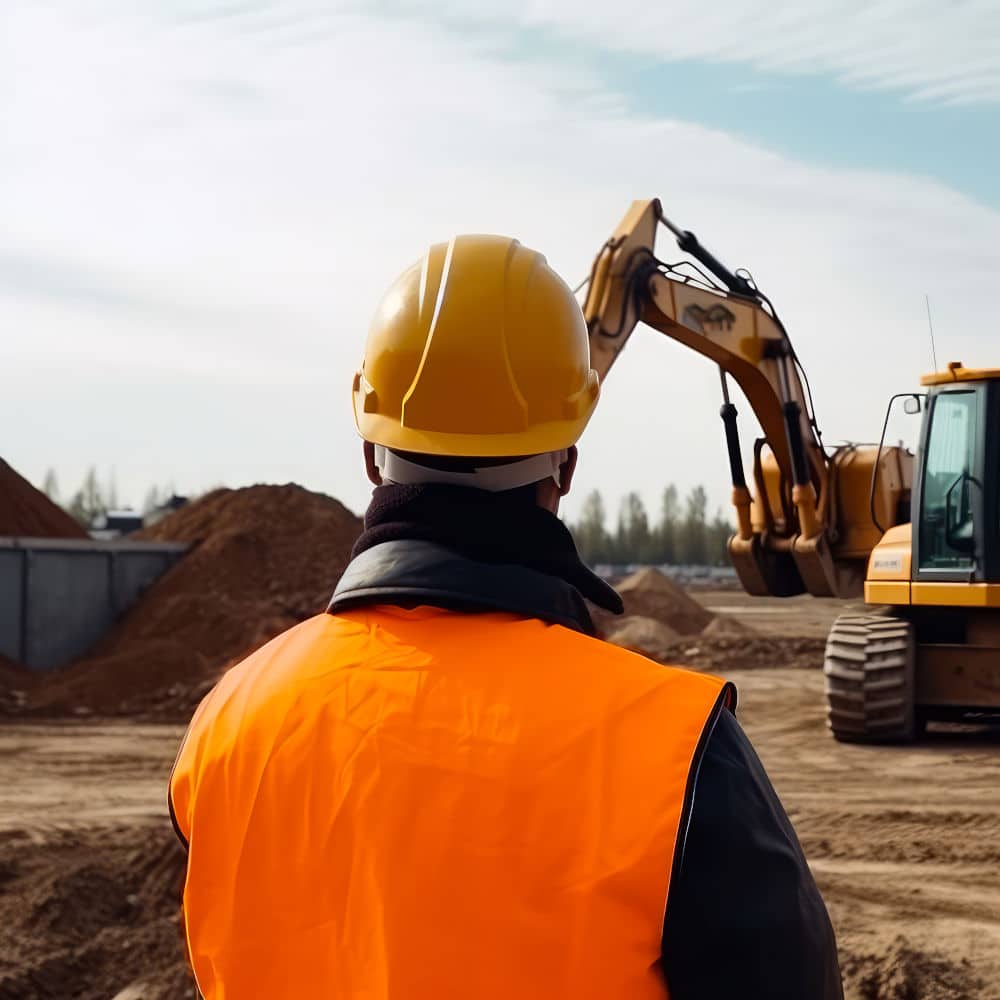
(905, 844)
(65, 776)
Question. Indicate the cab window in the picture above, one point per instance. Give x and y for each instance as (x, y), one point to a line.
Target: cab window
(947, 531)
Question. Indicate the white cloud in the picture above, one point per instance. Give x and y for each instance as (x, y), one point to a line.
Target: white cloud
(932, 51)
(199, 216)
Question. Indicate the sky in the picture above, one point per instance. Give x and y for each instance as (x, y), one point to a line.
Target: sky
(201, 203)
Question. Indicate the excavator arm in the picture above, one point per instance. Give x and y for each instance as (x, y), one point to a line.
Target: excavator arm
(809, 523)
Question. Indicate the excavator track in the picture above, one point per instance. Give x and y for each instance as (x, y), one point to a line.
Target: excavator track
(869, 669)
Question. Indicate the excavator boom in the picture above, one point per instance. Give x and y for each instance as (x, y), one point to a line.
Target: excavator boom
(809, 525)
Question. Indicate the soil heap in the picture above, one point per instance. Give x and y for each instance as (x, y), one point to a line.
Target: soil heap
(87, 913)
(648, 593)
(643, 635)
(901, 971)
(29, 513)
(725, 625)
(666, 624)
(651, 594)
(262, 559)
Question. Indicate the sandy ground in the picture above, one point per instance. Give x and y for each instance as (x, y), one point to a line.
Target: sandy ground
(790, 616)
(905, 844)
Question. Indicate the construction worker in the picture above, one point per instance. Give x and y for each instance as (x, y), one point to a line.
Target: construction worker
(447, 786)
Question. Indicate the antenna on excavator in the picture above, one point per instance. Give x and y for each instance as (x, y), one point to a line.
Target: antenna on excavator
(930, 326)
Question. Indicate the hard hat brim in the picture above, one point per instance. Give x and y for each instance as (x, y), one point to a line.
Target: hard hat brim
(551, 436)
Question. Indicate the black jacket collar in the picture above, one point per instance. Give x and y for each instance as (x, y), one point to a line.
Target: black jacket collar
(415, 571)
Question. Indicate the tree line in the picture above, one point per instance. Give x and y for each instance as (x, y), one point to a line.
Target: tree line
(682, 535)
(94, 498)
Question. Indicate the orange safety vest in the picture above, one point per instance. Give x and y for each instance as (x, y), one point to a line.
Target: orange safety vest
(393, 803)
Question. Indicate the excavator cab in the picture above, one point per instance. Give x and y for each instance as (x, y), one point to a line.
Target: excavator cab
(930, 649)
(957, 531)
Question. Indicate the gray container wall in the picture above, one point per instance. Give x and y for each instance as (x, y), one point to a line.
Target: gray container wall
(58, 597)
(12, 563)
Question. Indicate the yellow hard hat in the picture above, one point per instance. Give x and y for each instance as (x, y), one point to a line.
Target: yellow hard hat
(479, 350)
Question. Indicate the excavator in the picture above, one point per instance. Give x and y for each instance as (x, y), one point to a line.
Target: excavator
(918, 537)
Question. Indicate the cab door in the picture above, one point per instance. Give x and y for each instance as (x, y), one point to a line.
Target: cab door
(958, 501)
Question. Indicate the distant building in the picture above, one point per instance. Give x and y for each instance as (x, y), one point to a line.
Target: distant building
(115, 523)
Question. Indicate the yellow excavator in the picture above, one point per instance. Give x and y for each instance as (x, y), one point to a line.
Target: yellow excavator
(836, 522)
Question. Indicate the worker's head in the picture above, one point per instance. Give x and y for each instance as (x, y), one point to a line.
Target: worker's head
(477, 372)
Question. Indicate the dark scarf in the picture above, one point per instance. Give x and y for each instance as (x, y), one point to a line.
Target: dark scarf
(487, 527)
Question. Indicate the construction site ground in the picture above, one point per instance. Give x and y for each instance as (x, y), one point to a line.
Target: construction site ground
(904, 842)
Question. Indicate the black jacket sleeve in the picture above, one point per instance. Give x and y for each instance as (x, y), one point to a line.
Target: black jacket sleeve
(744, 918)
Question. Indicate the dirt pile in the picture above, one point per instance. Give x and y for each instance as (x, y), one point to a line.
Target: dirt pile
(649, 594)
(903, 972)
(97, 907)
(643, 635)
(29, 513)
(262, 559)
(724, 625)
(664, 622)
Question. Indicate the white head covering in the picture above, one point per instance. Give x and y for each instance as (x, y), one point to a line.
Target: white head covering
(492, 478)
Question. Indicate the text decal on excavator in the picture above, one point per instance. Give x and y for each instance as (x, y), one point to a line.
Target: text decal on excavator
(887, 562)
(717, 319)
